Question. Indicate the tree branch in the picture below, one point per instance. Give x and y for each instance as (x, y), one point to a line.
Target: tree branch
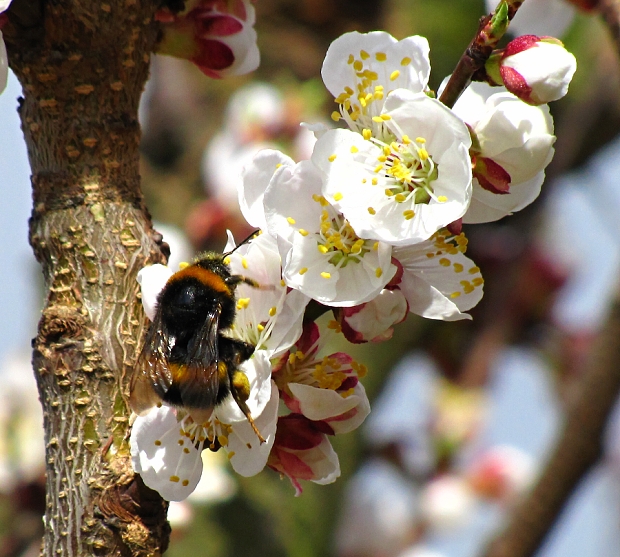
(579, 448)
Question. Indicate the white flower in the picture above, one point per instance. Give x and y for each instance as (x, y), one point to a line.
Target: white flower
(517, 137)
(324, 389)
(374, 320)
(538, 70)
(4, 62)
(361, 69)
(269, 318)
(322, 256)
(408, 179)
(438, 280)
(166, 444)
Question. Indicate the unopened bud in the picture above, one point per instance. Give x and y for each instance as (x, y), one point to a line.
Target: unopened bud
(536, 69)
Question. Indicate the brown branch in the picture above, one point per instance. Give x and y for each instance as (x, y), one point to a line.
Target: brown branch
(580, 447)
(82, 66)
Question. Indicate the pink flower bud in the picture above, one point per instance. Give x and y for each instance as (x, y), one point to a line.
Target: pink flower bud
(538, 70)
(374, 320)
(217, 35)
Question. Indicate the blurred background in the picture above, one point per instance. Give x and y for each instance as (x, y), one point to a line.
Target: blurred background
(464, 414)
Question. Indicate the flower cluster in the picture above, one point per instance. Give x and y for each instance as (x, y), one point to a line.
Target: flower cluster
(369, 226)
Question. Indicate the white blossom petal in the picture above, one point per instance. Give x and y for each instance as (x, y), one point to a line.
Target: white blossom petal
(165, 458)
(255, 179)
(517, 136)
(258, 371)
(377, 52)
(247, 455)
(439, 283)
(486, 206)
(152, 280)
(319, 404)
(351, 421)
(324, 463)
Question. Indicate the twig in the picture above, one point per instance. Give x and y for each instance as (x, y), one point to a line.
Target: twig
(580, 446)
(490, 30)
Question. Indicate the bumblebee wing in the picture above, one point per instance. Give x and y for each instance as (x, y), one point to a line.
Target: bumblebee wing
(152, 378)
(200, 386)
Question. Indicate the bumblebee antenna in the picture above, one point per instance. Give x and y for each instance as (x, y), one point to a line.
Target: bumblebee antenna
(245, 241)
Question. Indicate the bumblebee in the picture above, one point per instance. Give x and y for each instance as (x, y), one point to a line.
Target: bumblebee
(186, 360)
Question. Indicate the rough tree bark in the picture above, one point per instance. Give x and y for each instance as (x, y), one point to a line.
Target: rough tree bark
(83, 66)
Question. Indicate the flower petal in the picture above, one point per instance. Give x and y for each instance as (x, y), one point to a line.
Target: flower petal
(382, 54)
(247, 455)
(439, 286)
(152, 280)
(166, 460)
(256, 176)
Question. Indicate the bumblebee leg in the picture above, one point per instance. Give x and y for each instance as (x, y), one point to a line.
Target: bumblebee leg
(240, 390)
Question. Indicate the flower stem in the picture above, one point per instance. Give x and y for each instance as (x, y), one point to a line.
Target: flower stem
(491, 29)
